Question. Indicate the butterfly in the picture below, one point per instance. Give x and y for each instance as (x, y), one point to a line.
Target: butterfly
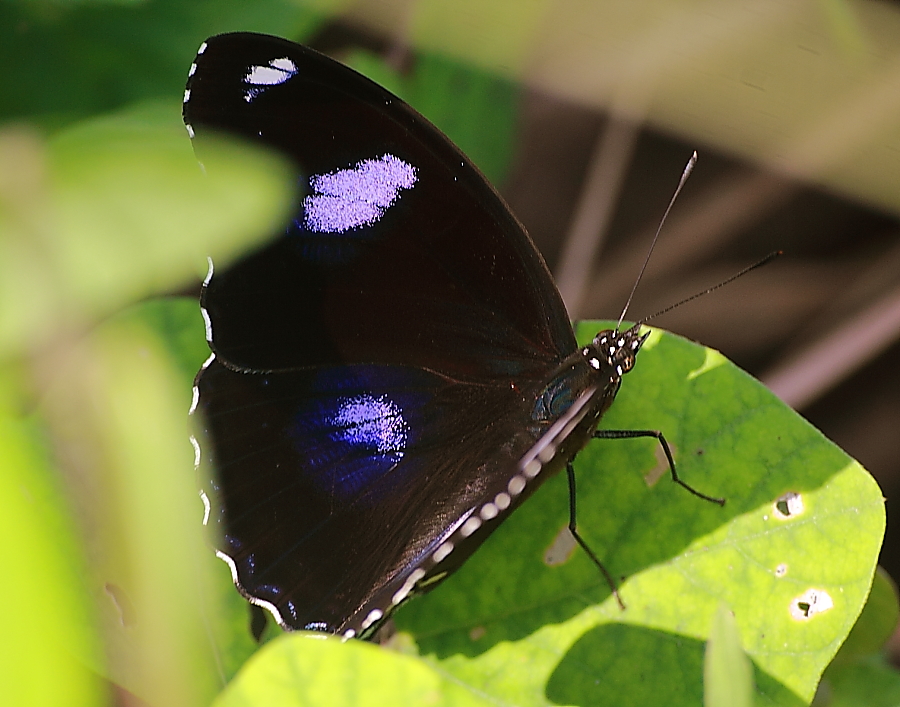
(395, 372)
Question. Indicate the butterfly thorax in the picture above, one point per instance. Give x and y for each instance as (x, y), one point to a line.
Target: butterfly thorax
(580, 391)
(615, 349)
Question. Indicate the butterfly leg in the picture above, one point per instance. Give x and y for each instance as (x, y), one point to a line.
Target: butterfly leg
(656, 434)
(570, 473)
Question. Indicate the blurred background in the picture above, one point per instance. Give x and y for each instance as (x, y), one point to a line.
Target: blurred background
(583, 114)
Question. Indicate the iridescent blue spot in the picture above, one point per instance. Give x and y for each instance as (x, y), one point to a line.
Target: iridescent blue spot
(259, 78)
(357, 428)
(352, 198)
(376, 424)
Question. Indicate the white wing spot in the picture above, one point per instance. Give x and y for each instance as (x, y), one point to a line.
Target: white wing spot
(206, 506)
(443, 550)
(472, 524)
(207, 322)
(196, 445)
(260, 78)
(547, 453)
(209, 271)
(532, 468)
(408, 585)
(267, 605)
(488, 511)
(373, 616)
(516, 484)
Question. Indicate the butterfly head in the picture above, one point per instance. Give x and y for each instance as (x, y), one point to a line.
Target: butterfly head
(618, 349)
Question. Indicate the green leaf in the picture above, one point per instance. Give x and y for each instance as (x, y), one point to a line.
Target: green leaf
(50, 653)
(727, 672)
(115, 209)
(116, 405)
(530, 633)
(304, 669)
(860, 673)
(869, 682)
(64, 61)
(876, 623)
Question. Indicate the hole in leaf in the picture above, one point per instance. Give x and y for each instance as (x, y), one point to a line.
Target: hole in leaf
(788, 505)
(810, 603)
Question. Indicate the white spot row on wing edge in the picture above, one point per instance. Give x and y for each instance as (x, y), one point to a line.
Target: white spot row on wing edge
(530, 466)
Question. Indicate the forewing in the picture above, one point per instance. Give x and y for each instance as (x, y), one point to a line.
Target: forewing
(400, 252)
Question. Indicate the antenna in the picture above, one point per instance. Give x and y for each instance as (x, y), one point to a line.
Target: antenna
(689, 167)
(765, 261)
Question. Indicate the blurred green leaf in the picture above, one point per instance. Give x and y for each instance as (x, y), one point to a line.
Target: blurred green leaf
(65, 61)
(178, 324)
(869, 682)
(727, 672)
(49, 653)
(116, 405)
(860, 673)
(876, 623)
(117, 208)
(302, 669)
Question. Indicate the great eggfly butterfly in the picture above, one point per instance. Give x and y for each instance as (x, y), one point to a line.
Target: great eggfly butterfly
(395, 373)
